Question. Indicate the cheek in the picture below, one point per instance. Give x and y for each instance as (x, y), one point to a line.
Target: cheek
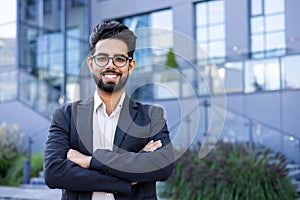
(96, 70)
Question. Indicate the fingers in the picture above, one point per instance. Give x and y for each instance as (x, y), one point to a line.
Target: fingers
(71, 153)
(134, 183)
(152, 146)
(79, 158)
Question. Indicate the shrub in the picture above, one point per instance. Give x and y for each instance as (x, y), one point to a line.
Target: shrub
(231, 172)
(37, 164)
(12, 156)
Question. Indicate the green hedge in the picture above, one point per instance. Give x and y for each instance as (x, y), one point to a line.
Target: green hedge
(231, 172)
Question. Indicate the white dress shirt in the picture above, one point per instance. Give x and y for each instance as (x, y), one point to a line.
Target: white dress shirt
(104, 127)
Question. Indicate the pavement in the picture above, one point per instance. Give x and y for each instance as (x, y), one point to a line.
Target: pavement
(29, 193)
(32, 193)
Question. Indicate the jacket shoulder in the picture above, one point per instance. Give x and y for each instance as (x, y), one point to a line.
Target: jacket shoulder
(68, 108)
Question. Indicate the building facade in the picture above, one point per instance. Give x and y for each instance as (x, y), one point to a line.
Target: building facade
(191, 54)
(253, 46)
(39, 72)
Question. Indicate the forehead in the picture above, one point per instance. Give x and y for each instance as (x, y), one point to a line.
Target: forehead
(111, 47)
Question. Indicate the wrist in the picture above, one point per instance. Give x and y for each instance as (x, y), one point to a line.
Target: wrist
(88, 161)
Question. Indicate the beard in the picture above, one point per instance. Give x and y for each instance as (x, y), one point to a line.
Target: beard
(111, 87)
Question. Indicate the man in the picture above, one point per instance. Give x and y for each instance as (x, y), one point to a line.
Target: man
(108, 146)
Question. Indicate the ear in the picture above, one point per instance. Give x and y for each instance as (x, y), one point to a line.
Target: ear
(131, 66)
(89, 62)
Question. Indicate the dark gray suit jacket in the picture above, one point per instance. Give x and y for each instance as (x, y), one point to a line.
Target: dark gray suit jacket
(110, 171)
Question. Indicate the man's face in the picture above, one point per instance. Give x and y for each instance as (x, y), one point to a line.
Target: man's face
(110, 78)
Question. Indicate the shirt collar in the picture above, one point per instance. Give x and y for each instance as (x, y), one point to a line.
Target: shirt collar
(98, 102)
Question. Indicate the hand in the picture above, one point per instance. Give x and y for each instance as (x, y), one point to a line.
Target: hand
(79, 158)
(152, 146)
(134, 183)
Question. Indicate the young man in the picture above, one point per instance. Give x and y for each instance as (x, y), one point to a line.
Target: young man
(108, 146)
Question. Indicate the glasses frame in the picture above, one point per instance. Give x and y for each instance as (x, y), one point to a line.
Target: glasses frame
(112, 59)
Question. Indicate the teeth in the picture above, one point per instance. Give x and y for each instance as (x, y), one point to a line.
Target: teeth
(110, 76)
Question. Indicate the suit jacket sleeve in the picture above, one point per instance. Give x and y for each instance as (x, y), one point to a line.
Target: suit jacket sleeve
(62, 173)
(140, 167)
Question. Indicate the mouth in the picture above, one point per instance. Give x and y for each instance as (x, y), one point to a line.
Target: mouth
(110, 76)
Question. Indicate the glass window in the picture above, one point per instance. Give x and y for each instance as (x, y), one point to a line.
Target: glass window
(8, 85)
(210, 30)
(157, 37)
(256, 7)
(257, 25)
(273, 40)
(8, 30)
(257, 42)
(267, 28)
(202, 34)
(201, 14)
(161, 20)
(169, 84)
(290, 72)
(216, 32)
(232, 76)
(153, 44)
(189, 82)
(73, 56)
(7, 51)
(262, 75)
(272, 6)
(275, 22)
(203, 77)
(216, 12)
(217, 48)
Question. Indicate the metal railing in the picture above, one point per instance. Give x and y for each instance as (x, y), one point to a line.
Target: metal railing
(239, 128)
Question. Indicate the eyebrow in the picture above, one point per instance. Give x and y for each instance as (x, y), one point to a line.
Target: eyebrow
(105, 54)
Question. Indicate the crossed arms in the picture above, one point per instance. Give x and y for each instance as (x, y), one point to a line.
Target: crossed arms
(105, 170)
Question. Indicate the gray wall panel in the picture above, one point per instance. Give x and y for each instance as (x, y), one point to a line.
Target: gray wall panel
(237, 29)
(291, 112)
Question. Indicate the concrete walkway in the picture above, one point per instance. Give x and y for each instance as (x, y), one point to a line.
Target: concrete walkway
(29, 193)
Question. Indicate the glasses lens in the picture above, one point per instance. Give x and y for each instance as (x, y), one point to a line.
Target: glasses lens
(120, 61)
(101, 60)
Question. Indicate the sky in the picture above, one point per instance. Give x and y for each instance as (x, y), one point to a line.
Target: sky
(8, 12)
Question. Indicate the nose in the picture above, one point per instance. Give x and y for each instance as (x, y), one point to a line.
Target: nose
(110, 64)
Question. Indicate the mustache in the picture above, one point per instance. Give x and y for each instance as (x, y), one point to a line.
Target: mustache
(111, 72)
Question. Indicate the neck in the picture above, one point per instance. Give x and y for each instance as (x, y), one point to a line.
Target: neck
(110, 100)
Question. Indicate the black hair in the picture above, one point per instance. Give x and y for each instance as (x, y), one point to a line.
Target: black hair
(113, 30)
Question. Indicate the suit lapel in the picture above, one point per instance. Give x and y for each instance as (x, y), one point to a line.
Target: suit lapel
(83, 116)
(127, 116)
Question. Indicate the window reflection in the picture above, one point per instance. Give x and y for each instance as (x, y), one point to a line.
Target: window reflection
(233, 77)
(159, 38)
(216, 12)
(267, 28)
(262, 75)
(210, 30)
(290, 72)
(273, 40)
(151, 49)
(275, 22)
(256, 7)
(257, 25)
(272, 6)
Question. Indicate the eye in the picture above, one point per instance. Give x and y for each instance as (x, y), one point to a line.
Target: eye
(101, 58)
(120, 59)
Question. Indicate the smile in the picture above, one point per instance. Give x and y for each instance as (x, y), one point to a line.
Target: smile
(110, 77)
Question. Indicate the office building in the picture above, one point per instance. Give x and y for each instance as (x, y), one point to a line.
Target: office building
(236, 55)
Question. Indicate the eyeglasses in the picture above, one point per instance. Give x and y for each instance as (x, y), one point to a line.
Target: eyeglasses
(102, 60)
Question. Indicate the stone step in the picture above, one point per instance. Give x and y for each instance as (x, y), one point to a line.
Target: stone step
(37, 181)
